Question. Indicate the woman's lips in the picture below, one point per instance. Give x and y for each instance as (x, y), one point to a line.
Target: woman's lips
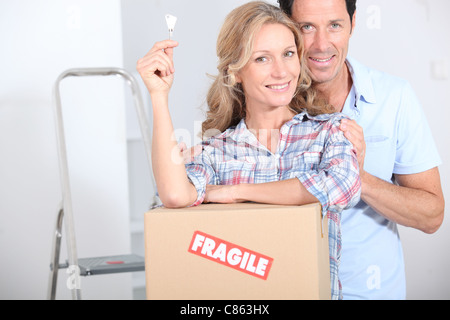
(278, 87)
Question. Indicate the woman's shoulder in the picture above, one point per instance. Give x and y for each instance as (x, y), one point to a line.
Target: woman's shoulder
(232, 132)
(332, 118)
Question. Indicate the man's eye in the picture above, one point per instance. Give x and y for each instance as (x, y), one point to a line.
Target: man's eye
(307, 27)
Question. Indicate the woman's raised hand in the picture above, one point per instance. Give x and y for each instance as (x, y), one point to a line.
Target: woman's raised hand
(156, 67)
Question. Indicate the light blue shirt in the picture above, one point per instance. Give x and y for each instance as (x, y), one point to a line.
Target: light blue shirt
(398, 140)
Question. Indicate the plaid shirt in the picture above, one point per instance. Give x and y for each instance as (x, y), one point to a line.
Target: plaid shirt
(311, 149)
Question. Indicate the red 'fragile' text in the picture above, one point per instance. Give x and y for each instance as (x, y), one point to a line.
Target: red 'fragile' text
(230, 255)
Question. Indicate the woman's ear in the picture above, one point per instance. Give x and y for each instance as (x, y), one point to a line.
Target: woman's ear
(234, 77)
(237, 77)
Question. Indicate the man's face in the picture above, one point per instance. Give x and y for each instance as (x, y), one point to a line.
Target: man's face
(326, 29)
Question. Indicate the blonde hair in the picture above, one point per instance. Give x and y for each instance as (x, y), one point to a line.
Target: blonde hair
(226, 99)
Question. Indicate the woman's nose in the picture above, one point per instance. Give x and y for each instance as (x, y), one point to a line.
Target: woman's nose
(279, 69)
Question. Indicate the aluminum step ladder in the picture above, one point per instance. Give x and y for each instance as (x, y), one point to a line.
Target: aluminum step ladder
(97, 265)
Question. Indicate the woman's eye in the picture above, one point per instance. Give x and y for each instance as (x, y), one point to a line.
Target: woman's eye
(261, 59)
(289, 54)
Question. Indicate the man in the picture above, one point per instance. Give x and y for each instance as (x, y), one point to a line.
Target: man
(398, 158)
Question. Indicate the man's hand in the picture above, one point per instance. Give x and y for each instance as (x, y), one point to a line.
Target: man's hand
(354, 133)
(189, 154)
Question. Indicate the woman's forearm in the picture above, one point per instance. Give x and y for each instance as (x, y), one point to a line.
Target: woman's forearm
(169, 171)
(157, 71)
(286, 192)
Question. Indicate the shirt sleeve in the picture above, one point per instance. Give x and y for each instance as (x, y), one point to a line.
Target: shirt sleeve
(416, 149)
(335, 182)
(201, 173)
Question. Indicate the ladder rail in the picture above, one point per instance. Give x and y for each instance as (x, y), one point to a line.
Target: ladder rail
(56, 249)
(66, 211)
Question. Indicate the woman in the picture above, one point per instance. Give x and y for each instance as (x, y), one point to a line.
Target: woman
(276, 141)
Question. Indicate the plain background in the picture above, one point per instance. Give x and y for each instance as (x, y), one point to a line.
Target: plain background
(40, 39)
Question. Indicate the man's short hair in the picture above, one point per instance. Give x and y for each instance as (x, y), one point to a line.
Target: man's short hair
(286, 6)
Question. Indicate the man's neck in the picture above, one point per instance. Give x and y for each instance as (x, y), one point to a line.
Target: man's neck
(336, 91)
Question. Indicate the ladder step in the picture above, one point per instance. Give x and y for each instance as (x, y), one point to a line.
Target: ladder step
(111, 264)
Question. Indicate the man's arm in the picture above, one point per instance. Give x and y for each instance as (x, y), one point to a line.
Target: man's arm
(417, 201)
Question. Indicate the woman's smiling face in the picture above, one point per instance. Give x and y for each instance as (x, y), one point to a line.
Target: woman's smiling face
(270, 77)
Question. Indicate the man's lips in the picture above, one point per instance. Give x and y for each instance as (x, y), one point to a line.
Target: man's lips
(321, 60)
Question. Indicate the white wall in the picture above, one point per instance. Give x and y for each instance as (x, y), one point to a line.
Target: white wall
(39, 40)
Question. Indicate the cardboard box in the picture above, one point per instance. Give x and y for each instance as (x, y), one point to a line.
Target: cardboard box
(237, 252)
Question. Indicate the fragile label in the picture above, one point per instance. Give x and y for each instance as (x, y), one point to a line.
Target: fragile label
(230, 255)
